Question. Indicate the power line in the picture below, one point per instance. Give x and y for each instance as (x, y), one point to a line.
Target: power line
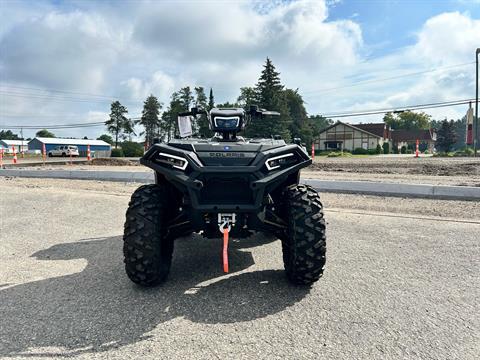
(331, 115)
(60, 126)
(53, 97)
(398, 109)
(325, 90)
(58, 91)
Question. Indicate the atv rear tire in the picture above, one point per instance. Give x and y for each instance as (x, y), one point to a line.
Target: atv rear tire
(147, 251)
(304, 245)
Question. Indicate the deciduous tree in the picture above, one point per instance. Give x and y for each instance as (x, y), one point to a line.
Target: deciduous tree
(8, 135)
(408, 120)
(44, 133)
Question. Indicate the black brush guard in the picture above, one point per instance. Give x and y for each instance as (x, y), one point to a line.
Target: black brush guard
(209, 190)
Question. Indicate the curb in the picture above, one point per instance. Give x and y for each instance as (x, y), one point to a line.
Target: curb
(122, 176)
(396, 189)
(356, 187)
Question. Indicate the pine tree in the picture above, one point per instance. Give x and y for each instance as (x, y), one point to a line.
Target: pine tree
(187, 100)
(129, 129)
(170, 117)
(247, 97)
(446, 135)
(116, 123)
(270, 95)
(211, 100)
(150, 120)
(202, 121)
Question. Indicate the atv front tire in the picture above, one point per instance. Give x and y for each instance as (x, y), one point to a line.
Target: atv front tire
(304, 245)
(147, 251)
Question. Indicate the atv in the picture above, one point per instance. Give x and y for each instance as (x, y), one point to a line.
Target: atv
(221, 187)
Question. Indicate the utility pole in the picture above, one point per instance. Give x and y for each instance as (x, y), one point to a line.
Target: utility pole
(21, 146)
(475, 139)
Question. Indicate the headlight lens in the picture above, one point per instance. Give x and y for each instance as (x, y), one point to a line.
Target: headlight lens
(279, 161)
(177, 162)
(227, 122)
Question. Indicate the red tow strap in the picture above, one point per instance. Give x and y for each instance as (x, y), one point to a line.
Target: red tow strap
(225, 250)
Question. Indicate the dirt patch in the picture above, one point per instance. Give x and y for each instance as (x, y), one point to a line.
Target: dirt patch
(113, 162)
(408, 166)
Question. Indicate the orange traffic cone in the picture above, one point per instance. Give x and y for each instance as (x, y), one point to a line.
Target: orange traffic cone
(44, 154)
(14, 154)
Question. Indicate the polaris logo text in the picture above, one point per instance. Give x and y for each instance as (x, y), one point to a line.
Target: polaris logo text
(227, 154)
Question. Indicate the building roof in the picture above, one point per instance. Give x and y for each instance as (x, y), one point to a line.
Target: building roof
(353, 127)
(15, 142)
(58, 141)
(374, 128)
(413, 135)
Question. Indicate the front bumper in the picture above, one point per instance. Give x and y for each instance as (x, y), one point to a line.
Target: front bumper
(225, 188)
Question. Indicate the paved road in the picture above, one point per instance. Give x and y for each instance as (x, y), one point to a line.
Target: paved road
(395, 287)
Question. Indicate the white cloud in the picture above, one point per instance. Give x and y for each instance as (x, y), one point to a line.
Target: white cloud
(60, 50)
(160, 84)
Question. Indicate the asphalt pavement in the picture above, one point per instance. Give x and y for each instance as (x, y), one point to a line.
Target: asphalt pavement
(395, 287)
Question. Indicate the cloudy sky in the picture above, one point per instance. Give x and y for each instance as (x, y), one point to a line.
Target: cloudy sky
(64, 61)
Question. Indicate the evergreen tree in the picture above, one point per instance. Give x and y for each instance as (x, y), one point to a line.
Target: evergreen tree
(116, 123)
(129, 129)
(187, 100)
(211, 100)
(247, 97)
(150, 120)
(202, 121)
(460, 130)
(446, 135)
(170, 117)
(270, 95)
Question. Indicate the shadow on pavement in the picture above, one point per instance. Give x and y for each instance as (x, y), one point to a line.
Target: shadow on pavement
(99, 308)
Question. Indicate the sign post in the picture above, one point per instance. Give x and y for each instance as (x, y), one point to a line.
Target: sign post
(469, 132)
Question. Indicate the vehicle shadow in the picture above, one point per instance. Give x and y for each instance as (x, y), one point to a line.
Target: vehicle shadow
(99, 308)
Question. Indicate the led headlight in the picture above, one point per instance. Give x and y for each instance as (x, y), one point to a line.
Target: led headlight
(278, 161)
(227, 122)
(177, 162)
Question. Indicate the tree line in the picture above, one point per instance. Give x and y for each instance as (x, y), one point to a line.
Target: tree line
(451, 134)
(159, 121)
(269, 93)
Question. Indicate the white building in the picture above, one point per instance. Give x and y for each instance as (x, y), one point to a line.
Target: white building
(342, 136)
(20, 145)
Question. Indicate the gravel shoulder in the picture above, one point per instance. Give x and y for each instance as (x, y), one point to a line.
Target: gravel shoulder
(433, 171)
